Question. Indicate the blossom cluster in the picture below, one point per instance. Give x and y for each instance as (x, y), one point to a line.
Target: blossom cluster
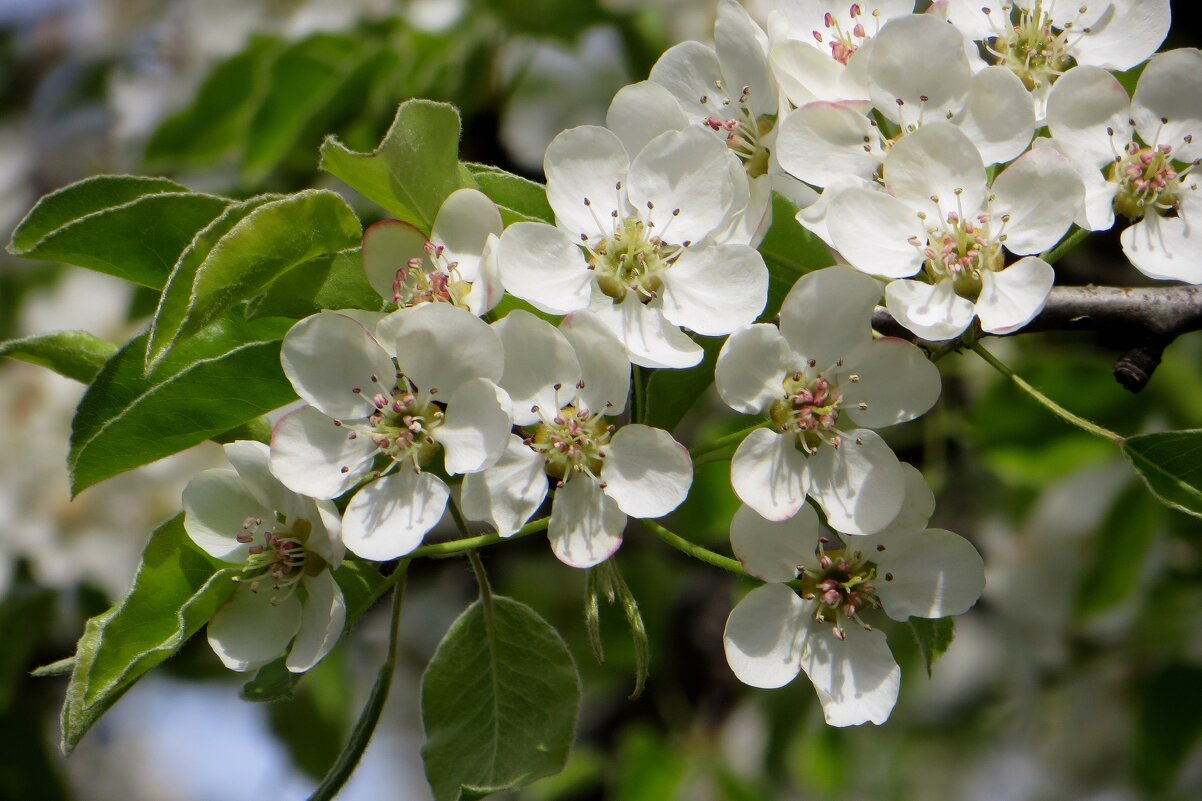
(501, 376)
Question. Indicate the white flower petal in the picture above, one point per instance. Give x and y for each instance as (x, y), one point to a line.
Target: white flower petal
(742, 50)
(689, 71)
(476, 426)
(897, 382)
(464, 222)
(252, 461)
(486, 291)
(1083, 104)
(646, 471)
(1169, 89)
(827, 315)
(821, 142)
(998, 115)
(537, 357)
(650, 340)
(932, 312)
(751, 368)
(389, 517)
(769, 474)
(387, 247)
(714, 290)
(604, 366)
(763, 636)
(859, 485)
(439, 347)
(308, 452)
(857, 678)
(916, 509)
(1011, 299)
(1128, 34)
(323, 615)
(937, 161)
(216, 503)
(932, 573)
(586, 162)
(328, 356)
(815, 215)
(807, 74)
(773, 551)
(1043, 193)
(642, 111)
(586, 524)
(977, 19)
(920, 60)
(508, 493)
(876, 232)
(254, 628)
(326, 539)
(1168, 248)
(545, 266)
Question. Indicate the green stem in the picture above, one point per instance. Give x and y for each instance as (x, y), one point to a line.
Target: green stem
(1044, 400)
(472, 543)
(1068, 243)
(370, 716)
(694, 550)
(726, 441)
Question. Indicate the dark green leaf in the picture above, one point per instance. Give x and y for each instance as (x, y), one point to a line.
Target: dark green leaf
(133, 228)
(75, 354)
(1168, 725)
(790, 251)
(519, 199)
(1171, 465)
(242, 252)
(176, 590)
(219, 378)
(499, 702)
(933, 636)
(336, 281)
(26, 614)
(415, 167)
(1122, 549)
(215, 124)
(671, 393)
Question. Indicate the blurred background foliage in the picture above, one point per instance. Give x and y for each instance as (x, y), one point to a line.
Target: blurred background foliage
(1077, 676)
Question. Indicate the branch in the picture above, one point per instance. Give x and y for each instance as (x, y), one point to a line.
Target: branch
(1145, 319)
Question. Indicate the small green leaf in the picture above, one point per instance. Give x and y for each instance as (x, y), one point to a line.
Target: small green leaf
(499, 702)
(219, 378)
(1168, 725)
(671, 393)
(790, 251)
(934, 636)
(415, 167)
(74, 354)
(519, 199)
(1170, 463)
(60, 667)
(336, 281)
(241, 253)
(176, 590)
(130, 227)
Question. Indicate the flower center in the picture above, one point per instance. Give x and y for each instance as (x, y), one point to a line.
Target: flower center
(1034, 47)
(572, 441)
(403, 426)
(809, 409)
(733, 119)
(845, 39)
(415, 285)
(843, 586)
(631, 259)
(961, 249)
(277, 554)
(1147, 181)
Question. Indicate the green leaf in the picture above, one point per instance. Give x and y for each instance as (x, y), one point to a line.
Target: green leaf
(415, 167)
(519, 199)
(336, 281)
(130, 227)
(26, 614)
(176, 590)
(74, 354)
(241, 253)
(1170, 463)
(499, 702)
(790, 251)
(934, 636)
(1168, 725)
(215, 124)
(1121, 550)
(222, 377)
(671, 393)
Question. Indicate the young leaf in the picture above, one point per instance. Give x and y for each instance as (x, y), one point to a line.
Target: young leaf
(518, 199)
(222, 377)
(176, 590)
(336, 281)
(241, 253)
(790, 251)
(499, 702)
(74, 354)
(130, 227)
(415, 167)
(1170, 463)
(934, 636)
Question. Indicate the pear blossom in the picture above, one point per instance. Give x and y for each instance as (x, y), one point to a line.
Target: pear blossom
(454, 265)
(939, 218)
(907, 570)
(287, 544)
(365, 407)
(568, 386)
(1149, 146)
(642, 243)
(819, 371)
(1039, 40)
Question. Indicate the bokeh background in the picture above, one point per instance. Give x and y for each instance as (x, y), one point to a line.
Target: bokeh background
(1077, 676)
